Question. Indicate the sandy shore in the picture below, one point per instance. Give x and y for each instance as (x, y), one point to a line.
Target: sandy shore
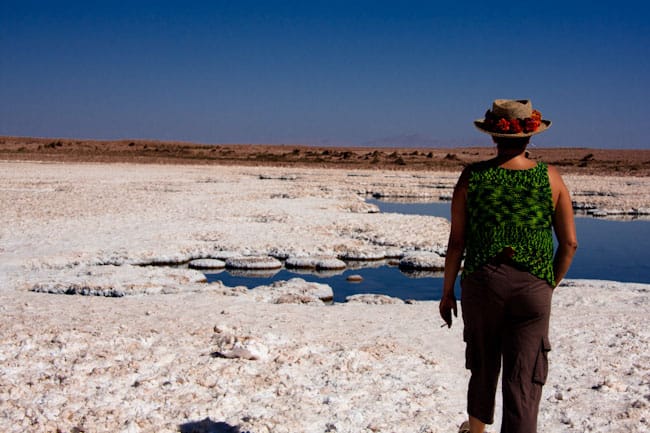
(176, 353)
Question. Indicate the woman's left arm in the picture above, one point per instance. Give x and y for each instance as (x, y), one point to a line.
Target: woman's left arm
(563, 224)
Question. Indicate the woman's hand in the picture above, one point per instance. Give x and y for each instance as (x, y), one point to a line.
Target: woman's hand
(447, 305)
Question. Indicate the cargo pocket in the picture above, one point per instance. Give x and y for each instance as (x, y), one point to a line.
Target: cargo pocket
(541, 363)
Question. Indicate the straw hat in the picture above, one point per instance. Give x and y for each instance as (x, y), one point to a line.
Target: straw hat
(512, 118)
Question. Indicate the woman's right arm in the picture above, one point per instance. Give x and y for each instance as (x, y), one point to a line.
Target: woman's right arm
(563, 224)
(455, 248)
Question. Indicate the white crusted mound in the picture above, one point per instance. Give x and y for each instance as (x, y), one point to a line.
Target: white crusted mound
(360, 206)
(224, 255)
(256, 262)
(230, 345)
(363, 254)
(315, 262)
(117, 281)
(422, 261)
(393, 253)
(207, 264)
(295, 290)
(366, 298)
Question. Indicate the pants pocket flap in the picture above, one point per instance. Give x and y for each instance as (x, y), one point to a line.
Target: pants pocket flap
(540, 372)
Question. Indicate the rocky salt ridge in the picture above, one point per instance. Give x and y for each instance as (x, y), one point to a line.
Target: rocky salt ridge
(175, 353)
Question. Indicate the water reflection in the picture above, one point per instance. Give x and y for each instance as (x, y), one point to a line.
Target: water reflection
(252, 273)
(382, 279)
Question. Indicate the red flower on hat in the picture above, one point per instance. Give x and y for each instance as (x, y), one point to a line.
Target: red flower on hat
(515, 126)
(531, 124)
(536, 115)
(502, 125)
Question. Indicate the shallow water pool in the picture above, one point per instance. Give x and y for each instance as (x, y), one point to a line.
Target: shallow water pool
(382, 279)
(609, 250)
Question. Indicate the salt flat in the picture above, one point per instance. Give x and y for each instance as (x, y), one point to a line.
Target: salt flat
(175, 353)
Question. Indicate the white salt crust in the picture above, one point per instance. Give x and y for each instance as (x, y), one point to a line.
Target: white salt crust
(175, 353)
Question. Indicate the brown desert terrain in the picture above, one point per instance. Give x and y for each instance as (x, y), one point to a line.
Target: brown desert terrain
(623, 162)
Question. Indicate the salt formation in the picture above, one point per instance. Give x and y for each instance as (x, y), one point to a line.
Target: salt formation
(116, 281)
(177, 353)
(295, 290)
(229, 345)
(366, 298)
(422, 261)
(361, 254)
(315, 262)
(258, 262)
(207, 264)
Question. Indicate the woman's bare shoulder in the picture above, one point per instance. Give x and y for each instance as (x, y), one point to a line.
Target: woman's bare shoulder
(554, 174)
(552, 169)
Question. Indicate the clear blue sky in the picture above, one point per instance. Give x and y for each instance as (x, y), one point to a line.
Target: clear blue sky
(323, 72)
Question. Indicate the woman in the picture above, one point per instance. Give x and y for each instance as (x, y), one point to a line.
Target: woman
(504, 211)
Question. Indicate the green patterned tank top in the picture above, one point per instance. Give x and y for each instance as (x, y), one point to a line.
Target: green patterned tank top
(510, 208)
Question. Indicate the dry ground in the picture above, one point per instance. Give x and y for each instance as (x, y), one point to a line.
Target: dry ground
(570, 160)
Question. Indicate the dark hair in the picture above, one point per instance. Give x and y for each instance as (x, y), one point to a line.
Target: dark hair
(511, 142)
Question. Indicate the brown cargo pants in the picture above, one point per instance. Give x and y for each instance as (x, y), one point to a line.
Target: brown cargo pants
(506, 316)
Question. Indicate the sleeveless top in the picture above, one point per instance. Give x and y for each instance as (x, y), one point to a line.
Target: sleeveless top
(510, 208)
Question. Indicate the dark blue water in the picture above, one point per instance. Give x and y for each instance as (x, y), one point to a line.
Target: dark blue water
(609, 250)
(383, 280)
(612, 250)
(439, 209)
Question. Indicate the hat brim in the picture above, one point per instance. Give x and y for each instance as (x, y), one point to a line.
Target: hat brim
(544, 125)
